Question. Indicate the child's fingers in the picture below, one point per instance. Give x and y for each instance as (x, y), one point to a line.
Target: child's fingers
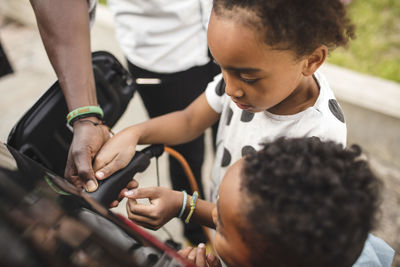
(192, 255)
(109, 169)
(140, 209)
(114, 204)
(121, 196)
(147, 192)
(143, 221)
(201, 255)
(131, 185)
(185, 252)
(140, 219)
(141, 214)
(101, 160)
(213, 261)
(107, 164)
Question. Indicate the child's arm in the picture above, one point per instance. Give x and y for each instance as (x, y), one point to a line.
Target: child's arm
(170, 129)
(165, 204)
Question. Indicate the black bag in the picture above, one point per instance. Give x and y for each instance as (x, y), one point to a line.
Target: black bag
(43, 134)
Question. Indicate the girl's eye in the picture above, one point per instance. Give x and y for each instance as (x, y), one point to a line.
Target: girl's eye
(248, 81)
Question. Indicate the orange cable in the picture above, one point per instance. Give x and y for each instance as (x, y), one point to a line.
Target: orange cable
(192, 181)
(185, 166)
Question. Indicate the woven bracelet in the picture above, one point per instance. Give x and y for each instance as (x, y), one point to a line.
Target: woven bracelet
(192, 206)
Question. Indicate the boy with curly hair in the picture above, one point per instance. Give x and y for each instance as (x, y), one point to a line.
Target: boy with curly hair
(296, 202)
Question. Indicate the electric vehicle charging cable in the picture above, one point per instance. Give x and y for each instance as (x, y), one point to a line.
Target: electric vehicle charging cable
(192, 181)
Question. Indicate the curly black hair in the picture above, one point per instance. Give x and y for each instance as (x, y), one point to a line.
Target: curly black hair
(308, 203)
(297, 25)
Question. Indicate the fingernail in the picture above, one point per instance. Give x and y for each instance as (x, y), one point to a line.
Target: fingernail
(100, 175)
(201, 245)
(130, 192)
(91, 186)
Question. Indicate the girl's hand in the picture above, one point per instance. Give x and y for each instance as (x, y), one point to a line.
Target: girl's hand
(164, 205)
(131, 185)
(198, 256)
(115, 154)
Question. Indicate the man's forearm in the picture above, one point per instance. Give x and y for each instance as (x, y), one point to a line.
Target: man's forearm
(64, 28)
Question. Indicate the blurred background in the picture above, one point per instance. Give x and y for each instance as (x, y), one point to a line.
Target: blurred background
(365, 78)
(376, 50)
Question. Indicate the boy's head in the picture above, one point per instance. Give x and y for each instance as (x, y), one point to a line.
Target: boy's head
(268, 50)
(297, 202)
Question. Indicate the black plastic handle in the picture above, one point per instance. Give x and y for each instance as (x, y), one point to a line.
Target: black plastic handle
(109, 188)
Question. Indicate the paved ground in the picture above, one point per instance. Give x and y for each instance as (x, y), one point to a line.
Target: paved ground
(33, 75)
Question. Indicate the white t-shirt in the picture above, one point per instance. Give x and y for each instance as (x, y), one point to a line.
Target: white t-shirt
(240, 132)
(163, 36)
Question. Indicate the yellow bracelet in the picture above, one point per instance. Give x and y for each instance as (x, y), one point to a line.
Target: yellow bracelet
(193, 202)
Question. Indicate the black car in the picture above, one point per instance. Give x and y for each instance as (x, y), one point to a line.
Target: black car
(46, 221)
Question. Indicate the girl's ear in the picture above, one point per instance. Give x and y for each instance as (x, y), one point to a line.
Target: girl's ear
(315, 60)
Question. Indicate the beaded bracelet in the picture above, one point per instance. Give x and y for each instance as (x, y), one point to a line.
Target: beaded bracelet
(84, 112)
(192, 206)
(183, 204)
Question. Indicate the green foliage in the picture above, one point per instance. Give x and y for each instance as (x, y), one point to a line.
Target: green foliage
(376, 49)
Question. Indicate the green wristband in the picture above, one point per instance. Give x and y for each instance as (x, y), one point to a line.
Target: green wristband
(95, 110)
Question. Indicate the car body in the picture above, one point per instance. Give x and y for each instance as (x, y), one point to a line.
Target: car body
(46, 221)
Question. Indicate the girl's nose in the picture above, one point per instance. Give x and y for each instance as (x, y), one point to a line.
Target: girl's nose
(233, 88)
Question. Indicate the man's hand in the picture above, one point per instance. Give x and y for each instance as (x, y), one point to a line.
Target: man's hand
(164, 205)
(198, 256)
(87, 141)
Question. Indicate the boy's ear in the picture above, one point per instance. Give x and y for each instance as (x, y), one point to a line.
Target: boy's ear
(315, 60)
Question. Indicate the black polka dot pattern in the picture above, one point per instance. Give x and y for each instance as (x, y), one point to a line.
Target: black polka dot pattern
(246, 150)
(246, 116)
(220, 88)
(226, 158)
(336, 110)
(229, 114)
